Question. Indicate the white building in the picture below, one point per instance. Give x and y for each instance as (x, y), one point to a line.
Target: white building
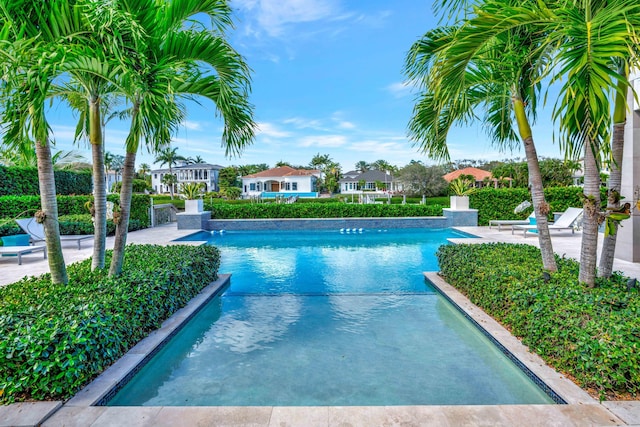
(199, 172)
(284, 181)
(371, 181)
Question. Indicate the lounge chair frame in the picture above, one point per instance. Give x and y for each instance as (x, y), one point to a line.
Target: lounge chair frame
(36, 232)
(22, 250)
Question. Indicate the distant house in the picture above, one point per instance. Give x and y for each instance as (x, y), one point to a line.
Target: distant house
(482, 177)
(199, 172)
(282, 181)
(354, 182)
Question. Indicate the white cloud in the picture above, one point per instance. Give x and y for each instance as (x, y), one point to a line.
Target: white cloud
(324, 141)
(302, 123)
(273, 15)
(189, 125)
(400, 89)
(268, 129)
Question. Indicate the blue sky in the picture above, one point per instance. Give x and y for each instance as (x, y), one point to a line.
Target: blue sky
(327, 78)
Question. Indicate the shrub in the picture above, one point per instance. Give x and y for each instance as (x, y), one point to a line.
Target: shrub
(138, 186)
(21, 181)
(590, 334)
(319, 210)
(83, 224)
(54, 339)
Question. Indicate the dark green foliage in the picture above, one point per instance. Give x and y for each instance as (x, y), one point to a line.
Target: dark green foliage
(21, 181)
(54, 339)
(499, 203)
(82, 224)
(139, 186)
(591, 334)
(319, 210)
(12, 207)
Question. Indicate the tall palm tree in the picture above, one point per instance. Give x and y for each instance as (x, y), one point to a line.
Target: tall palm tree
(461, 75)
(35, 51)
(178, 59)
(605, 268)
(169, 157)
(362, 166)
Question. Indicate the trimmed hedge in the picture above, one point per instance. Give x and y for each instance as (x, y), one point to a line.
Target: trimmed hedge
(26, 206)
(499, 203)
(593, 335)
(21, 181)
(83, 224)
(54, 339)
(319, 210)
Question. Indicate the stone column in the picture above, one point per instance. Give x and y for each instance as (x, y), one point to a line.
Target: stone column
(628, 242)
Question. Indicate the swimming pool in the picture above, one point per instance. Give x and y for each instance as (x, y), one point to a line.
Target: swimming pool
(329, 318)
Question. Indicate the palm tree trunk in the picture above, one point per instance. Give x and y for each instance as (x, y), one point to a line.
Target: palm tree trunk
(99, 185)
(122, 225)
(49, 204)
(613, 199)
(590, 216)
(540, 206)
(171, 183)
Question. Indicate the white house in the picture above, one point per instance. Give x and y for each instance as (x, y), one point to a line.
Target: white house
(283, 181)
(199, 172)
(354, 182)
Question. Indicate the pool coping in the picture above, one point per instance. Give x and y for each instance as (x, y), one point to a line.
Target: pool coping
(82, 408)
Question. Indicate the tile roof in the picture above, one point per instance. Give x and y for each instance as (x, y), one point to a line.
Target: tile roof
(478, 174)
(283, 171)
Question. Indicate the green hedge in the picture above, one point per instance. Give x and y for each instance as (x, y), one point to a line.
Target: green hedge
(82, 224)
(499, 203)
(593, 335)
(319, 210)
(54, 339)
(25, 206)
(21, 181)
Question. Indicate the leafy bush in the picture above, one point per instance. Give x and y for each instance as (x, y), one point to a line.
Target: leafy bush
(54, 339)
(138, 186)
(319, 210)
(25, 206)
(499, 203)
(83, 224)
(21, 181)
(593, 335)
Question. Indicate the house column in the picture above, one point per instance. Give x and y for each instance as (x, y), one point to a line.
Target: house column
(628, 241)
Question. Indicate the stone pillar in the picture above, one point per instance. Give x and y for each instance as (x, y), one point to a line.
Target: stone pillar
(628, 242)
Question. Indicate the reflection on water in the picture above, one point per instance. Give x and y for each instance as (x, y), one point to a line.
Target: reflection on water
(327, 319)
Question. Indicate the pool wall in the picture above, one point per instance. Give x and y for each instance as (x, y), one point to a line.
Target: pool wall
(450, 218)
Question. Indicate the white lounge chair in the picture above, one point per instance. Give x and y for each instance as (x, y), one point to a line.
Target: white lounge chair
(564, 222)
(22, 250)
(511, 222)
(36, 231)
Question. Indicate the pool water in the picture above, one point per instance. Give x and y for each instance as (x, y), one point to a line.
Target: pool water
(329, 318)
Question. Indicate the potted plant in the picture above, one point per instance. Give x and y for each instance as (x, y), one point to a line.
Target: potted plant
(461, 188)
(192, 193)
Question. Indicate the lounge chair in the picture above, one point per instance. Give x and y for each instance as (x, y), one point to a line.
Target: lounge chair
(36, 231)
(511, 222)
(22, 250)
(564, 222)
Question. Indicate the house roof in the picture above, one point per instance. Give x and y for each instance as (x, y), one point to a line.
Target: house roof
(206, 166)
(283, 171)
(370, 176)
(478, 174)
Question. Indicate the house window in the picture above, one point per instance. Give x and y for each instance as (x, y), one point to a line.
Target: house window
(252, 186)
(155, 176)
(294, 186)
(205, 175)
(286, 186)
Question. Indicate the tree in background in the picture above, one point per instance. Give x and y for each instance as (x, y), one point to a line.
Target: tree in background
(362, 166)
(329, 169)
(420, 180)
(383, 165)
(170, 157)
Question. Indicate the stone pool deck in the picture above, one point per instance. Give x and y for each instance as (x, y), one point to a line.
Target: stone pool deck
(581, 410)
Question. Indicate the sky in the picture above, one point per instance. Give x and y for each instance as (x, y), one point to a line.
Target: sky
(326, 79)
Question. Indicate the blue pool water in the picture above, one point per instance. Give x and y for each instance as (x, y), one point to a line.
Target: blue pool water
(324, 318)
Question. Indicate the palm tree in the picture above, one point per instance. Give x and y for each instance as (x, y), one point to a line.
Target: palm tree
(169, 157)
(195, 160)
(461, 75)
(35, 51)
(178, 60)
(605, 268)
(362, 166)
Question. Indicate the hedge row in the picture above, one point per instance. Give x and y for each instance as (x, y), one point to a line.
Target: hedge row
(20, 181)
(54, 339)
(499, 203)
(25, 206)
(593, 335)
(319, 210)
